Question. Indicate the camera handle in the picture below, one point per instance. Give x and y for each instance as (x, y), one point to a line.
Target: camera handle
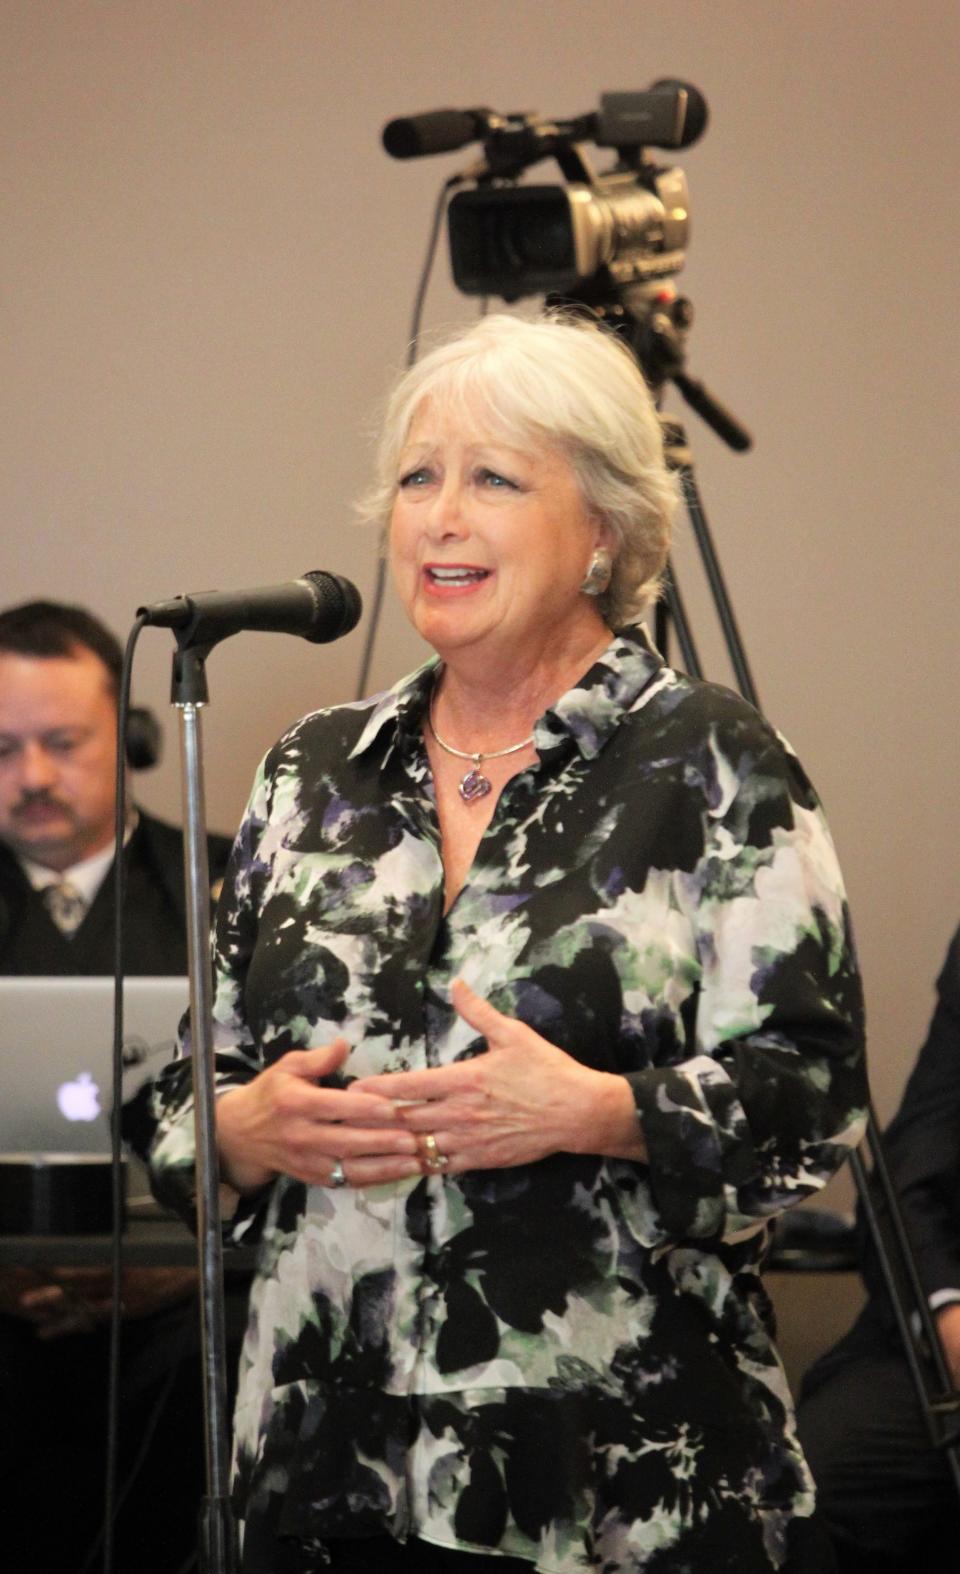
(938, 1398)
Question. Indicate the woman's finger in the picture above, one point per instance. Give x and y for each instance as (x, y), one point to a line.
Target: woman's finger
(414, 1087)
(349, 1141)
(373, 1171)
(477, 1012)
(317, 1062)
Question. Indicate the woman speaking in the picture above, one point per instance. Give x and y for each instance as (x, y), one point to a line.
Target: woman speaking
(535, 1002)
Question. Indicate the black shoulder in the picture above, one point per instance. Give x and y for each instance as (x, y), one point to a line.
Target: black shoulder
(331, 733)
(948, 983)
(163, 846)
(700, 711)
(723, 742)
(218, 852)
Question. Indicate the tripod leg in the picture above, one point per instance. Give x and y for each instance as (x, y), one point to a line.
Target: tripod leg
(718, 589)
(674, 610)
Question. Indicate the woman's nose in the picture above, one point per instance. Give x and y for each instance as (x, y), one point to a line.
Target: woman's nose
(447, 515)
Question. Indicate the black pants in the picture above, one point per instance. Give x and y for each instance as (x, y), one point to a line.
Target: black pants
(885, 1493)
(53, 1398)
(53, 1411)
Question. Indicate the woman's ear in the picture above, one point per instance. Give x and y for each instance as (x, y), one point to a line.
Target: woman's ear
(599, 572)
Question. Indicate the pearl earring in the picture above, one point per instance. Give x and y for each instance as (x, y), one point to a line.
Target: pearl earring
(599, 573)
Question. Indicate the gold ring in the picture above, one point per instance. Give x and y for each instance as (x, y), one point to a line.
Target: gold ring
(432, 1157)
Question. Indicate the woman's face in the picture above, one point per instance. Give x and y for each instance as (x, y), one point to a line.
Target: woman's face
(489, 544)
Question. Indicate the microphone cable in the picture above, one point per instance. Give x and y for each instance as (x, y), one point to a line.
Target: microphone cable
(116, 1151)
(416, 323)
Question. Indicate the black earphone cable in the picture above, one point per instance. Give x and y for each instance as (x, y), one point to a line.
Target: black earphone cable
(117, 1173)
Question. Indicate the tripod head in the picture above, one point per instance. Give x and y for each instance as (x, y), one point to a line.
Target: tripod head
(655, 323)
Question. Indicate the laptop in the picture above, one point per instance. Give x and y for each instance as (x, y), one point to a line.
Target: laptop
(56, 1056)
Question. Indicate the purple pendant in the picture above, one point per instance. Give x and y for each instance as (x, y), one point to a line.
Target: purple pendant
(474, 785)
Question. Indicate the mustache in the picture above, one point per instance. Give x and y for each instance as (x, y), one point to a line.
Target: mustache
(39, 800)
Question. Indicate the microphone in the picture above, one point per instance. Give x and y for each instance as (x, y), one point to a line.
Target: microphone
(692, 112)
(319, 607)
(668, 114)
(436, 131)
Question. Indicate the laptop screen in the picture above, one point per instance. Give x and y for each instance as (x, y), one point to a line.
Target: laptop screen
(56, 1049)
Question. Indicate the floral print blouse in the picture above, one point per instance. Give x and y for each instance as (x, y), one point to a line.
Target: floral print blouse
(568, 1362)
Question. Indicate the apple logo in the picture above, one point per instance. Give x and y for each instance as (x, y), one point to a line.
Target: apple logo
(80, 1099)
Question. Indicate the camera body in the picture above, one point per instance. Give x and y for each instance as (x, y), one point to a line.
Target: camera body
(628, 227)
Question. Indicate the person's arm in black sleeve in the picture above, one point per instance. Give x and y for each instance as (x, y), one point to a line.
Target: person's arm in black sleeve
(922, 1147)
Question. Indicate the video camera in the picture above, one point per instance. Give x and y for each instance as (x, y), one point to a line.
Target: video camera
(614, 233)
(611, 242)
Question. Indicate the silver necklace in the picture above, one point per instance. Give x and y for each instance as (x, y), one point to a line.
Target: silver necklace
(474, 784)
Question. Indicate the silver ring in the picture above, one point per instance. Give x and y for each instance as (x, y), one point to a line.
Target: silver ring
(337, 1177)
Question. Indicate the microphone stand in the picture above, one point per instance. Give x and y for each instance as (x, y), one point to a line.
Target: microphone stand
(217, 1529)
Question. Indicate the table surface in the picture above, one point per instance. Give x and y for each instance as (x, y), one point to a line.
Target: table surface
(147, 1242)
(165, 1241)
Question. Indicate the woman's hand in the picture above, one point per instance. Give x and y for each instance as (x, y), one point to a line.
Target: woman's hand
(516, 1104)
(282, 1122)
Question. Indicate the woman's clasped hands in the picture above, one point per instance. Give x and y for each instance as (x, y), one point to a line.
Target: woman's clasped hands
(517, 1103)
(520, 1102)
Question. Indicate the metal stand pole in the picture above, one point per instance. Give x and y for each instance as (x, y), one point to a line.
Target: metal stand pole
(217, 1531)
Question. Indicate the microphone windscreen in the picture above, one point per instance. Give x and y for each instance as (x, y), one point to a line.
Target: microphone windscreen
(695, 119)
(339, 606)
(437, 131)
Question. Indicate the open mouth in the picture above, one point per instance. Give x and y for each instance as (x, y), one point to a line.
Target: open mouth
(456, 576)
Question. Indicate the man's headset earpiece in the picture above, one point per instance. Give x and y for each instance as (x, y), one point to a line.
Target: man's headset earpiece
(144, 739)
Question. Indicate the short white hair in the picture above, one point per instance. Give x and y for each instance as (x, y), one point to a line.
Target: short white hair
(562, 382)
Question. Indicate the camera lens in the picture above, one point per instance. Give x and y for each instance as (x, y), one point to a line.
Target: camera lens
(511, 243)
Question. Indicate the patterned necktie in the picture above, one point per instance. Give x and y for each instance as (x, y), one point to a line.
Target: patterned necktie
(65, 906)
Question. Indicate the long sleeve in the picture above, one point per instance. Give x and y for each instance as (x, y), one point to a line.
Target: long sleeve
(772, 1099)
(922, 1144)
(237, 1055)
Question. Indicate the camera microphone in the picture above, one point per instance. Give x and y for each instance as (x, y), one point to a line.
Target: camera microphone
(670, 114)
(319, 607)
(436, 131)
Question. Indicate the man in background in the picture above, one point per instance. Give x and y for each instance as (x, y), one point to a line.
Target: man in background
(59, 688)
(884, 1489)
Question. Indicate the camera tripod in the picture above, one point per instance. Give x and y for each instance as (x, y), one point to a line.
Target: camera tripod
(657, 333)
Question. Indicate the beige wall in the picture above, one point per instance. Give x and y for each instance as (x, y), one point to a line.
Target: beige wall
(207, 273)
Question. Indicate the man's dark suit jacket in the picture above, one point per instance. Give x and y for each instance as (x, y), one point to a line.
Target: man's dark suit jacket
(922, 1148)
(155, 918)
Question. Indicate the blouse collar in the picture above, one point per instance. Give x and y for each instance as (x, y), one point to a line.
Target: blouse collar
(588, 714)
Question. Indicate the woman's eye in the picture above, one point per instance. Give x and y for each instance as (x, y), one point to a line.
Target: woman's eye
(495, 479)
(415, 477)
